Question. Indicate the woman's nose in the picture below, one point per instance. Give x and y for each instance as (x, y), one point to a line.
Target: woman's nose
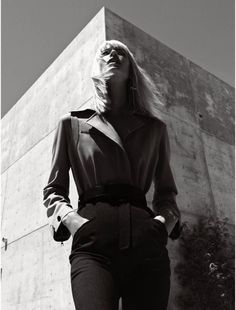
(113, 53)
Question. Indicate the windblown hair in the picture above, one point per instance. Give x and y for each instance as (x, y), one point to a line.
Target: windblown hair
(143, 95)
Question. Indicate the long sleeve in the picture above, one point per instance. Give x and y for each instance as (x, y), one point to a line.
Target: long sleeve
(55, 194)
(165, 190)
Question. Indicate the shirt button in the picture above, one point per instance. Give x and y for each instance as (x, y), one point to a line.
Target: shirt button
(59, 218)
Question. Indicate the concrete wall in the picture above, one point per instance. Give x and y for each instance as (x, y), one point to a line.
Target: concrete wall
(199, 113)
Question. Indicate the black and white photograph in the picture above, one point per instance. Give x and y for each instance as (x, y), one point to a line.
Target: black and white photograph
(117, 155)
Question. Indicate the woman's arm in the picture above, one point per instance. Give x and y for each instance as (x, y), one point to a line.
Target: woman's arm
(55, 194)
(164, 203)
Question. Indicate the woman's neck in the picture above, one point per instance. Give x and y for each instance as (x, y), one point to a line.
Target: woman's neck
(118, 94)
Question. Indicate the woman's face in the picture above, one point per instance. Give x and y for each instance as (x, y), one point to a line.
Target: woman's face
(114, 61)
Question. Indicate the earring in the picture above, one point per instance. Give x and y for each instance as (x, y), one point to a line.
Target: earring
(132, 90)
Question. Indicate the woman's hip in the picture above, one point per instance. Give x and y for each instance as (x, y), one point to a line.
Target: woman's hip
(118, 228)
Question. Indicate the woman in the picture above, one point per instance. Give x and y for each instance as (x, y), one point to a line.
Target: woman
(115, 151)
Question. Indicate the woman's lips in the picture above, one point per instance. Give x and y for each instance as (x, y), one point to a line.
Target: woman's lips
(113, 62)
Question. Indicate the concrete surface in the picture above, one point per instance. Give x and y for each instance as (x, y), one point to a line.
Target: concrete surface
(36, 273)
(198, 109)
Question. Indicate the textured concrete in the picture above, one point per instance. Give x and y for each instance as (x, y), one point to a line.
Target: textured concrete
(198, 109)
(34, 280)
(187, 159)
(3, 190)
(214, 104)
(220, 166)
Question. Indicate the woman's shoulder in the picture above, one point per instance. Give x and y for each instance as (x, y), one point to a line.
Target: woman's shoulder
(153, 121)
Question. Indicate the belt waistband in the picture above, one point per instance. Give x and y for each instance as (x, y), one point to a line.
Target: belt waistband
(115, 194)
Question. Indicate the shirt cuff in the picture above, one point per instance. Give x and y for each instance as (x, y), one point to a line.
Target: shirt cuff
(63, 212)
(58, 216)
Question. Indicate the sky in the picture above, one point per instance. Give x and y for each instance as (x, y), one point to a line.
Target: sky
(35, 32)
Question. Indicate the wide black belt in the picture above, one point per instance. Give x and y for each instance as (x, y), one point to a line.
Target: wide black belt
(115, 194)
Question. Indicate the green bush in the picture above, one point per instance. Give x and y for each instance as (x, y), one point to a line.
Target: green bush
(206, 268)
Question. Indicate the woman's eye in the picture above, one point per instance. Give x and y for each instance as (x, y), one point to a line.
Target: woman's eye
(120, 52)
(105, 52)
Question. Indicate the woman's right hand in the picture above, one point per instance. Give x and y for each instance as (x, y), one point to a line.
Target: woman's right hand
(73, 221)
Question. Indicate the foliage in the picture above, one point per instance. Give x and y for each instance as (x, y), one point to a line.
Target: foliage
(206, 267)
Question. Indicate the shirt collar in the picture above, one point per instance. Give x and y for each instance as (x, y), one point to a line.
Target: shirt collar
(131, 122)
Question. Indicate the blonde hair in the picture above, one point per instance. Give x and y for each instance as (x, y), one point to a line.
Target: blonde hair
(143, 95)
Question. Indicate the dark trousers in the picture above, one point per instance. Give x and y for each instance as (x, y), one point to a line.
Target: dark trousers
(120, 252)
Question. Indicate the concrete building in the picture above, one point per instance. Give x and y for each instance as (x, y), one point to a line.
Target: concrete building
(199, 113)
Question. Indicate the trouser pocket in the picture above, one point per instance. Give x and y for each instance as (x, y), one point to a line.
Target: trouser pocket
(147, 231)
(100, 233)
(81, 227)
(159, 232)
(84, 236)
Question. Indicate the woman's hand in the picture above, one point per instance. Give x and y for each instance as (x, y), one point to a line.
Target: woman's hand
(73, 221)
(169, 226)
